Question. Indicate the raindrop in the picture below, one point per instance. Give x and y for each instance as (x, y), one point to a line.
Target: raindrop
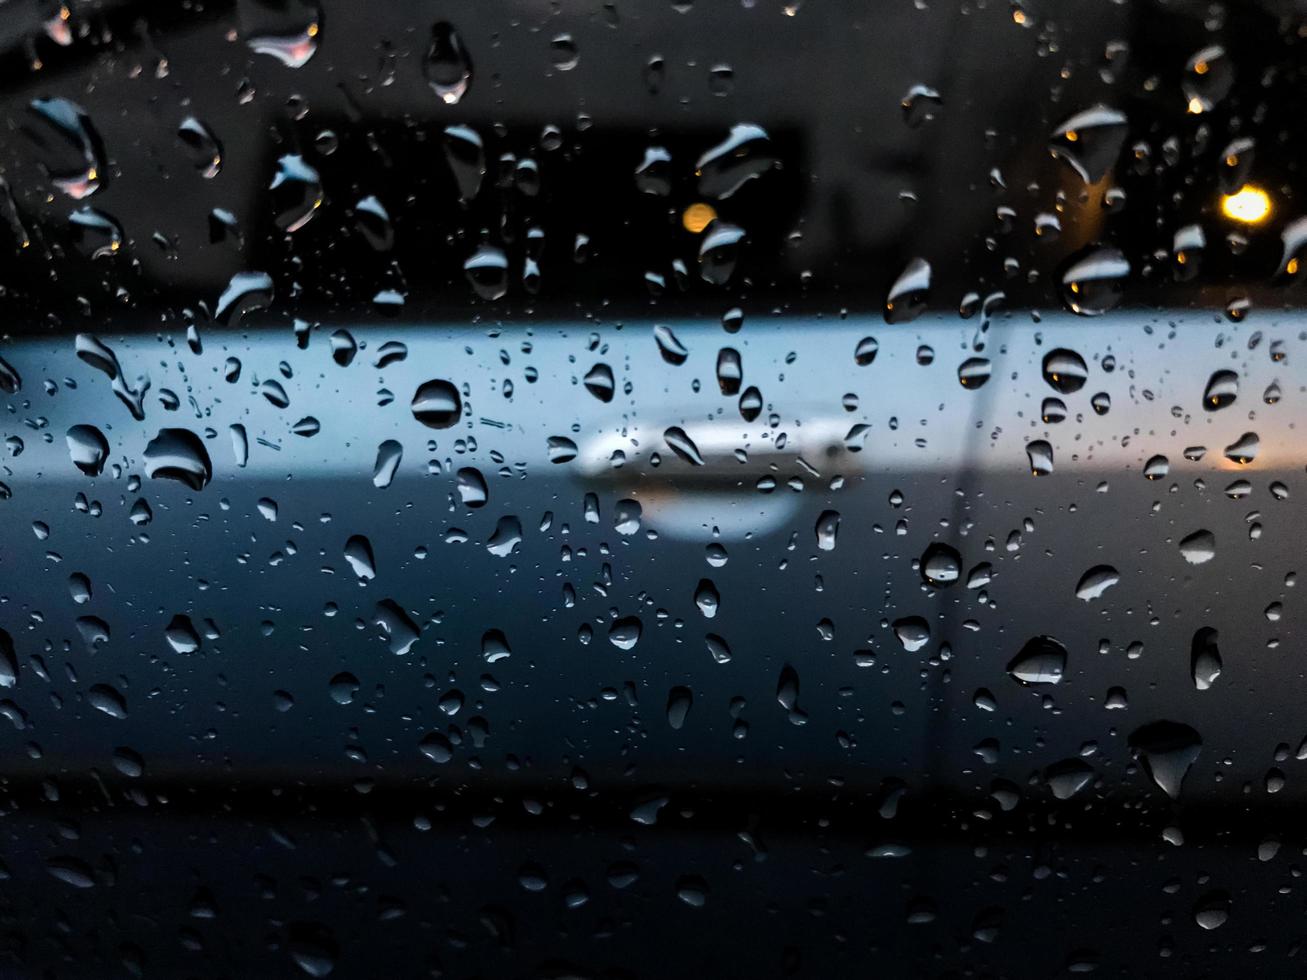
(1221, 391)
(1065, 371)
(178, 454)
(625, 632)
(487, 271)
(389, 455)
(1244, 449)
(506, 537)
(69, 146)
(745, 154)
(974, 372)
(1092, 280)
(472, 489)
(1167, 749)
(719, 252)
(907, 297)
(358, 553)
(245, 292)
(1096, 581)
(105, 698)
(1204, 658)
(912, 632)
(401, 632)
(599, 382)
(88, 448)
(1208, 77)
(296, 191)
(436, 404)
(1090, 142)
(1198, 547)
(1040, 454)
(679, 702)
(1157, 467)
(941, 565)
(447, 65)
(681, 444)
(203, 146)
(1041, 661)
(671, 349)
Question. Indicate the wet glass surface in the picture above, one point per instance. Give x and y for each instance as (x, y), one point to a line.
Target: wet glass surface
(696, 489)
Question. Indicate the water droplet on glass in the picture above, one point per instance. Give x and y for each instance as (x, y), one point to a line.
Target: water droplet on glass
(1221, 391)
(907, 297)
(506, 537)
(178, 454)
(625, 632)
(974, 372)
(1199, 547)
(288, 30)
(1244, 449)
(912, 632)
(680, 443)
(599, 382)
(941, 565)
(105, 698)
(358, 553)
(1092, 280)
(437, 404)
(1090, 142)
(1208, 77)
(679, 702)
(1040, 455)
(88, 448)
(487, 270)
(204, 149)
(466, 155)
(1166, 749)
(745, 154)
(1096, 581)
(1041, 661)
(447, 66)
(1065, 371)
(296, 191)
(1204, 658)
(69, 146)
(401, 632)
(719, 252)
(245, 292)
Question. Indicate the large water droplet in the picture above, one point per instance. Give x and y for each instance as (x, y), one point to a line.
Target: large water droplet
(88, 448)
(1208, 77)
(358, 552)
(203, 147)
(1090, 141)
(487, 270)
(1096, 581)
(1199, 547)
(1041, 661)
(296, 191)
(178, 454)
(1167, 749)
(1221, 391)
(745, 154)
(1040, 455)
(69, 146)
(437, 404)
(680, 443)
(907, 297)
(1093, 280)
(941, 565)
(288, 30)
(625, 632)
(1204, 658)
(912, 632)
(447, 65)
(245, 292)
(1065, 371)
